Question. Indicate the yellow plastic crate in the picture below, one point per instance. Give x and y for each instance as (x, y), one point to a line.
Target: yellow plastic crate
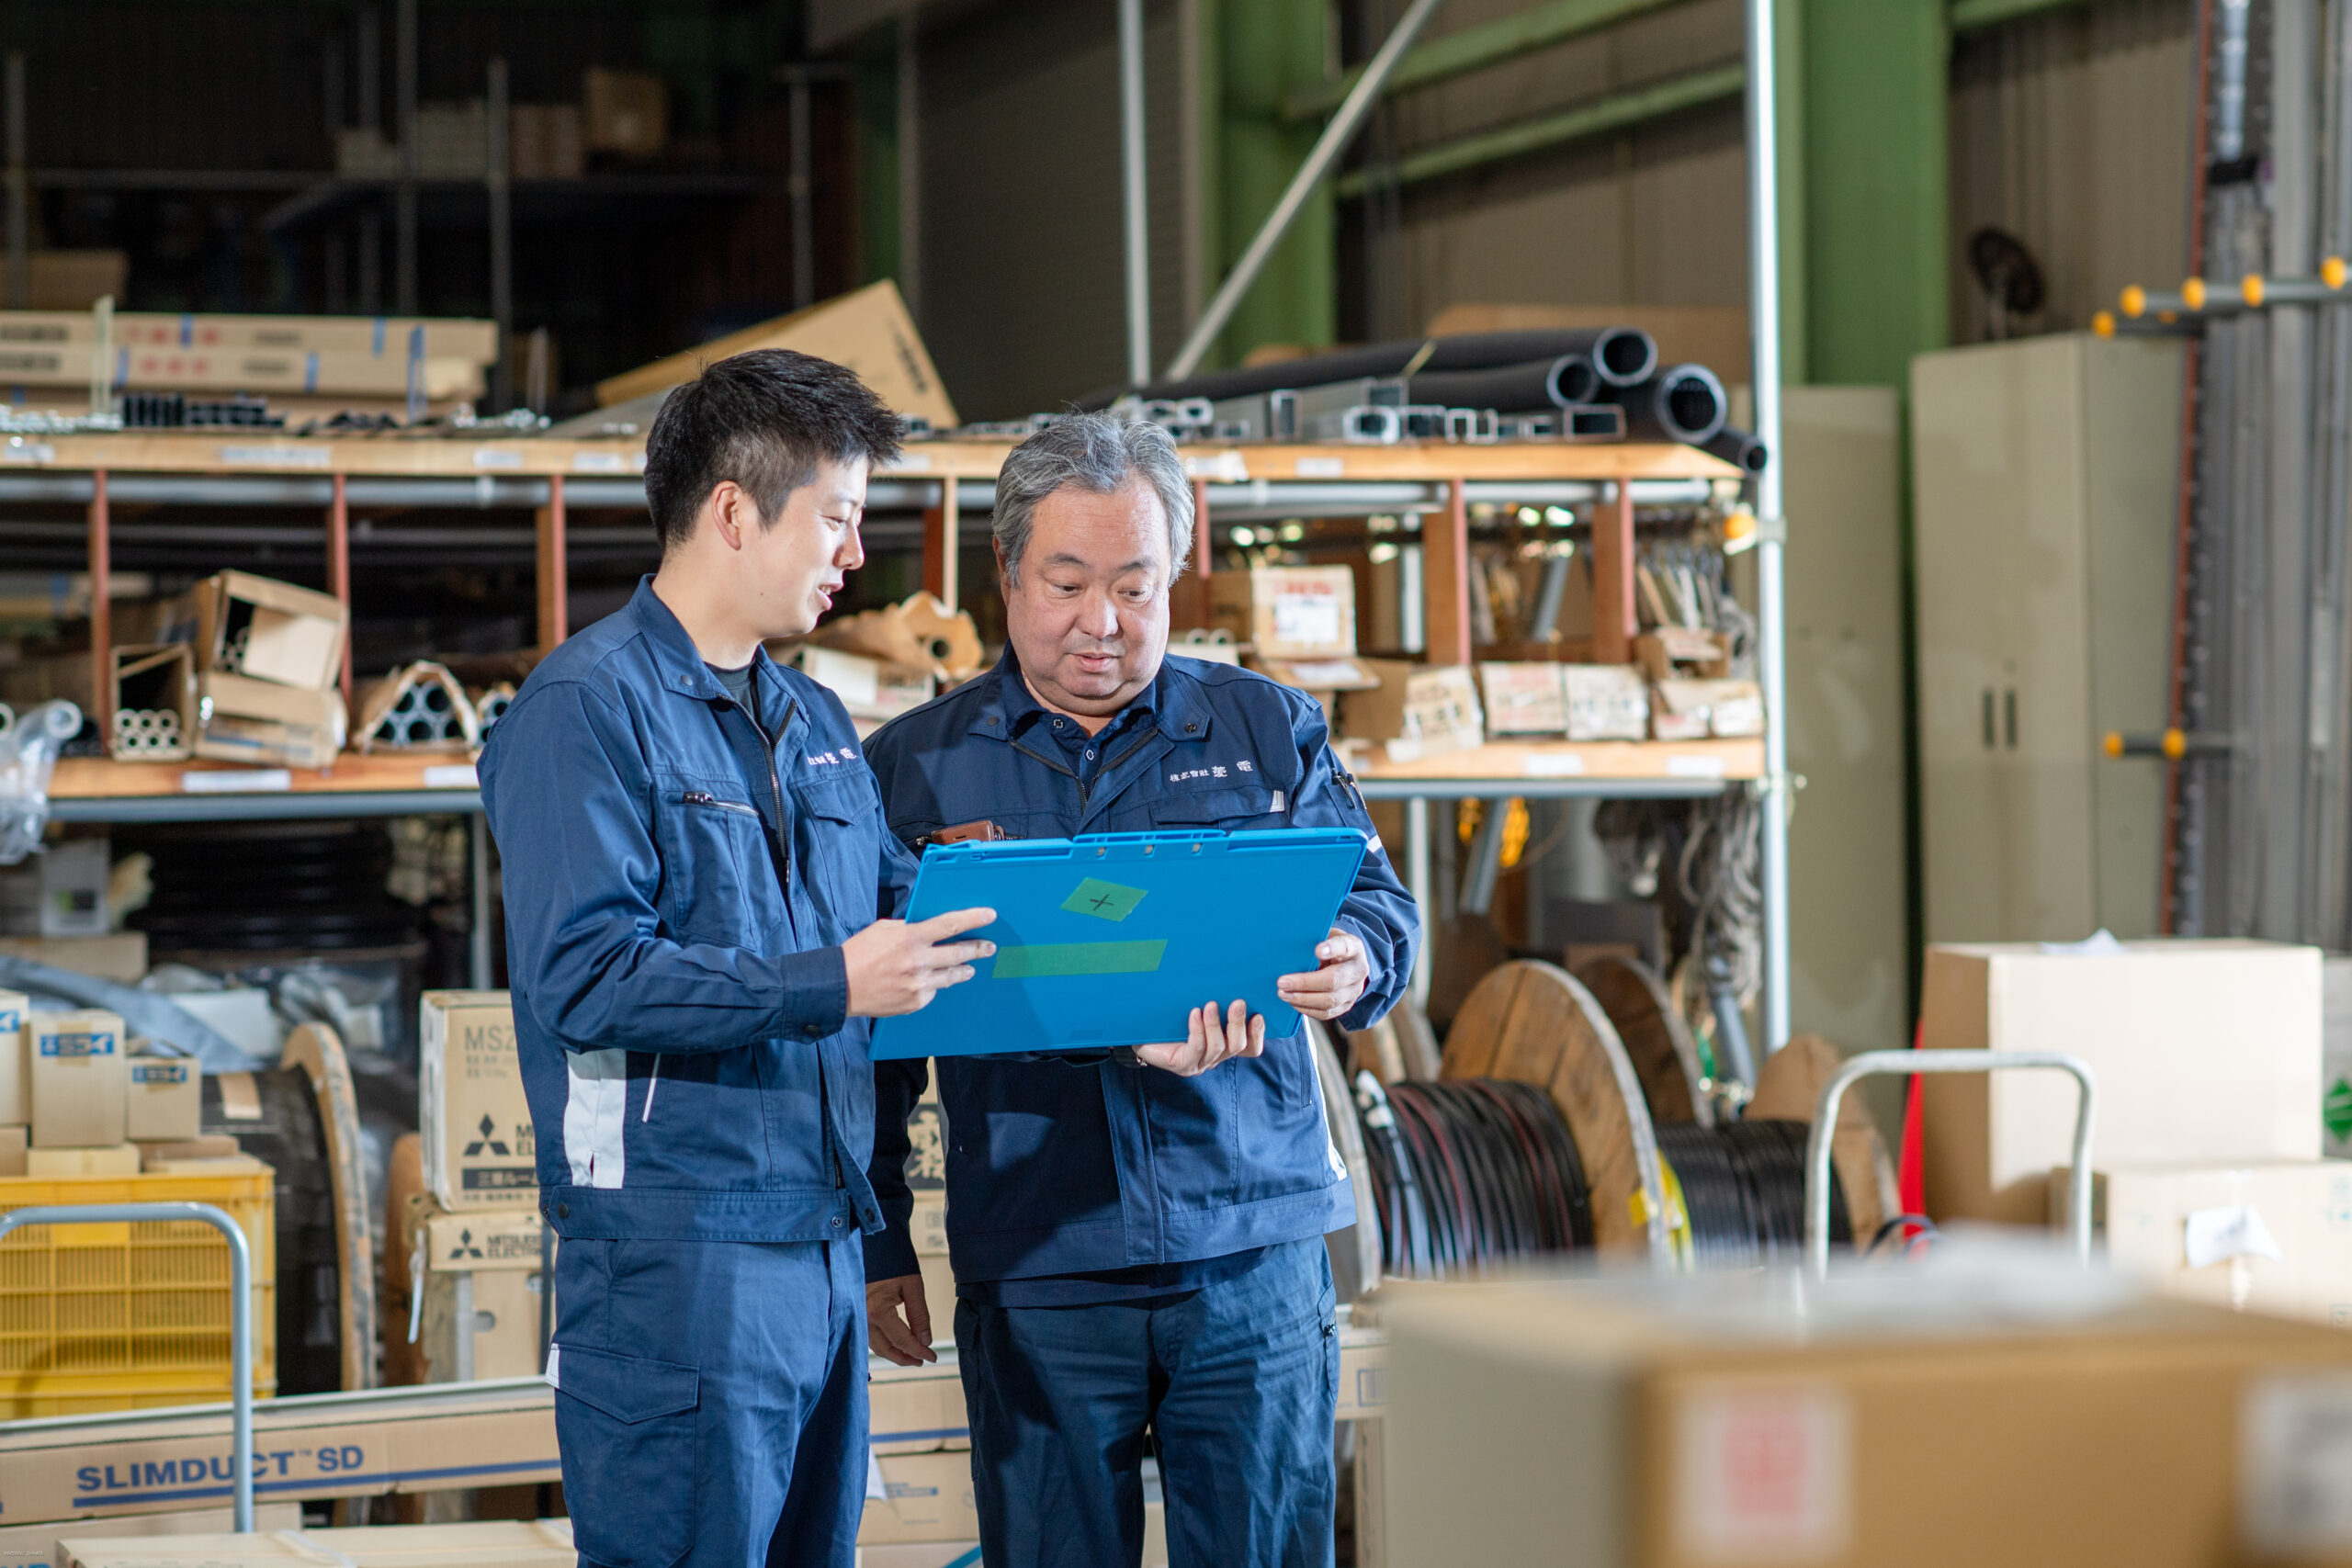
(122, 1316)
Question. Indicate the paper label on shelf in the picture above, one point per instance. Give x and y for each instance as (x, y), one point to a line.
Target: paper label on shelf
(1763, 1474)
(2295, 1459)
(236, 781)
(276, 457)
(451, 776)
(1321, 468)
(1694, 767)
(1221, 468)
(1551, 765)
(911, 463)
(20, 450)
(497, 458)
(599, 463)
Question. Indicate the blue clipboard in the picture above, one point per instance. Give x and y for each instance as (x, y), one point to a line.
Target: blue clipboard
(1113, 938)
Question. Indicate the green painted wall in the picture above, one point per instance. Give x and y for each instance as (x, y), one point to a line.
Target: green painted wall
(1265, 49)
(875, 137)
(1874, 199)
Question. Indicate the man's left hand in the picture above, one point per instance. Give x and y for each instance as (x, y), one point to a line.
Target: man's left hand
(1333, 988)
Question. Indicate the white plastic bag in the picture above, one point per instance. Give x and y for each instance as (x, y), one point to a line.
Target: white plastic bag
(28, 751)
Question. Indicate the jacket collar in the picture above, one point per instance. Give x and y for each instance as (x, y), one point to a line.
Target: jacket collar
(677, 659)
(1182, 708)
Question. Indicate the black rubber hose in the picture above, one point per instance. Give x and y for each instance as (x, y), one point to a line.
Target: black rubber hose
(1538, 385)
(1620, 356)
(1685, 403)
(1739, 448)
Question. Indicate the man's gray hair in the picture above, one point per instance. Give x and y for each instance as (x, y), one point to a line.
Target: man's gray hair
(1099, 453)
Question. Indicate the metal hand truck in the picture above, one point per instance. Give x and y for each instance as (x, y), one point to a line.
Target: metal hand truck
(241, 1310)
(1883, 1064)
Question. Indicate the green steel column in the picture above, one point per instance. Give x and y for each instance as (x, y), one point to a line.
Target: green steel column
(1788, 55)
(1876, 254)
(1268, 49)
(874, 88)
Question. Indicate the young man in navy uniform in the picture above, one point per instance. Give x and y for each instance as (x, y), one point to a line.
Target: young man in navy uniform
(693, 865)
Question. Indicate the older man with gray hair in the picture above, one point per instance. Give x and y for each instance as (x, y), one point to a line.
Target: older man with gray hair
(1137, 1234)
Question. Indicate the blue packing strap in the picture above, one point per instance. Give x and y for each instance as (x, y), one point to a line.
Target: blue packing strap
(377, 341)
(188, 330)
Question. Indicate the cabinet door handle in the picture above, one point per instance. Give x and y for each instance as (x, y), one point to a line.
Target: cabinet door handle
(1988, 719)
(2009, 716)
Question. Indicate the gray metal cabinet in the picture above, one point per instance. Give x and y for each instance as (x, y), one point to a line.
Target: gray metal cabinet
(2044, 476)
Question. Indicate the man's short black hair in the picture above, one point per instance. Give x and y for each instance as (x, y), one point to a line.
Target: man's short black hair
(764, 419)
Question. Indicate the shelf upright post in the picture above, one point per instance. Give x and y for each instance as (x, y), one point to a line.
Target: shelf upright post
(1189, 600)
(1613, 618)
(1764, 316)
(554, 570)
(339, 569)
(1445, 577)
(941, 545)
(101, 610)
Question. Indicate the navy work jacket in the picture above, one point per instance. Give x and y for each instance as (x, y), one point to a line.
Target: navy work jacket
(677, 893)
(1079, 1163)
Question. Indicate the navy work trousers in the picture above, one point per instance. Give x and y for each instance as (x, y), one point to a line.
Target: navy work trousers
(1236, 1382)
(710, 1401)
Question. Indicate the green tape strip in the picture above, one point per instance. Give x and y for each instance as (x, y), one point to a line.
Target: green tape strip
(1047, 960)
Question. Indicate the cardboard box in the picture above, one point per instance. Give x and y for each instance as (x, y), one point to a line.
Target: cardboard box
(167, 1099)
(59, 892)
(927, 1498)
(209, 1145)
(914, 1410)
(66, 1165)
(869, 688)
(1318, 675)
(267, 631)
(154, 704)
(625, 112)
(966, 1553)
(2033, 1420)
(547, 141)
(1666, 653)
(478, 1149)
(1694, 710)
(1287, 612)
(81, 1080)
(304, 373)
(400, 1440)
(1523, 699)
(1605, 702)
(1417, 710)
(2270, 1238)
(499, 1543)
(35, 1546)
(15, 1067)
(16, 1145)
(2206, 1052)
(868, 332)
(482, 1267)
(245, 720)
(118, 955)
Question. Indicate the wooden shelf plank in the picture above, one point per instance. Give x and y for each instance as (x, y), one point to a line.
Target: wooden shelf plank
(96, 778)
(1503, 761)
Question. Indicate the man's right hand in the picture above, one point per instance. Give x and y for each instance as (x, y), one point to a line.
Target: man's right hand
(903, 1341)
(1205, 1044)
(894, 967)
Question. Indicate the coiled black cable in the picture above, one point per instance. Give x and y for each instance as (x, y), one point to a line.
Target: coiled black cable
(1743, 1190)
(1468, 1173)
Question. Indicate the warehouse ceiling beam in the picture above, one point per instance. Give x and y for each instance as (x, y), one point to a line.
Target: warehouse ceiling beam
(1602, 116)
(1475, 49)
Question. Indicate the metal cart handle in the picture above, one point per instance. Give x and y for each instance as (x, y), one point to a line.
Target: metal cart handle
(241, 1309)
(1901, 1064)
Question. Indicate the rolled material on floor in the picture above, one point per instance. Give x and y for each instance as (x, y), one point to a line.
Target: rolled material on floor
(1684, 403)
(1534, 387)
(1739, 448)
(1620, 356)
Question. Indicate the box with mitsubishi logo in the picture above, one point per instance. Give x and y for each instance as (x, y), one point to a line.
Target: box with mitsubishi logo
(478, 1148)
(479, 1277)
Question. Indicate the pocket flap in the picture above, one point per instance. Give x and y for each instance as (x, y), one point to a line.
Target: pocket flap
(627, 1388)
(845, 799)
(1207, 805)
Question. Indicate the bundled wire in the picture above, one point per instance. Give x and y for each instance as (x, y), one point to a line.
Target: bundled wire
(1468, 1173)
(1743, 1190)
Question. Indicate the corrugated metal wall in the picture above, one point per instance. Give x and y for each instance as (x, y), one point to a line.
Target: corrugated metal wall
(2071, 133)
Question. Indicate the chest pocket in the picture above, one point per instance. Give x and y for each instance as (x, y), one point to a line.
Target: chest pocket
(1248, 806)
(840, 842)
(716, 875)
